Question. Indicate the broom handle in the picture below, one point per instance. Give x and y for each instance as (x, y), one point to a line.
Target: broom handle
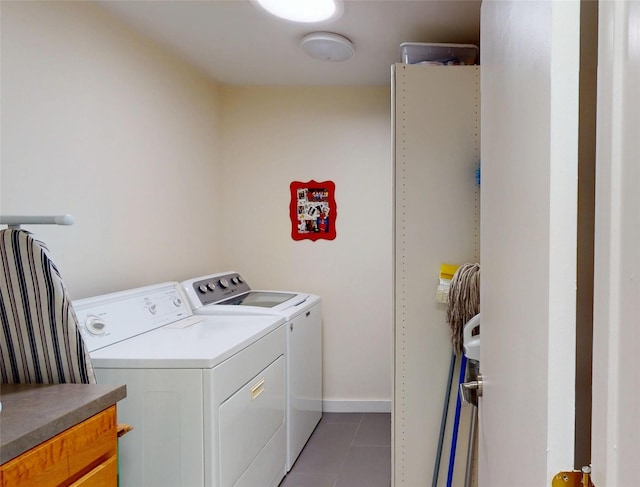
(456, 423)
(443, 423)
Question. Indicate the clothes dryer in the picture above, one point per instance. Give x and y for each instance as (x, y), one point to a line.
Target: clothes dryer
(205, 394)
(229, 293)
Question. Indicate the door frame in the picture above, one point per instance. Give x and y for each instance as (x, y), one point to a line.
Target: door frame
(616, 402)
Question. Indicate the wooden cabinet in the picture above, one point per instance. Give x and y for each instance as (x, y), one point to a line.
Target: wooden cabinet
(84, 455)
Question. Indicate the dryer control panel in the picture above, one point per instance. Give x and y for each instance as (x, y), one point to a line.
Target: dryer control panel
(105, 320)
(216, 287)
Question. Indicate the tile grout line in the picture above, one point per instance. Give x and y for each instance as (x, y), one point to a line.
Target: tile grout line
(357, 429)
(349, 449)
(372, 445)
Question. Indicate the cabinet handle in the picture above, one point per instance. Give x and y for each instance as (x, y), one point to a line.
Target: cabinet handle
(257, 389)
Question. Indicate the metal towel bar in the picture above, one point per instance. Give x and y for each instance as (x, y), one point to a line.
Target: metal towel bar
(14, 221)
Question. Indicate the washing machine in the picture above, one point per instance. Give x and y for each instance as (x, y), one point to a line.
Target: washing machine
(229, 293)
(205, 394)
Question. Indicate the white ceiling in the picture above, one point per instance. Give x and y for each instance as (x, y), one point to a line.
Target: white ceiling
(238, 44)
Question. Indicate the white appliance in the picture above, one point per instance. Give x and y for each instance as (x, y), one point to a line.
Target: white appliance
(471, 338)
(228, 292)
(205, 395)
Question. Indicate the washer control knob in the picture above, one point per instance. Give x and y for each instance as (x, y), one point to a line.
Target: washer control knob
(177, 302)
(95, 325)
(224, 284)
(235, 280)
(212, 286)
(153, 309)
(240, 279)
(202, 288)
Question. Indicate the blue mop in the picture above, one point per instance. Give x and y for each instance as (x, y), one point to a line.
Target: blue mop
(463, 303)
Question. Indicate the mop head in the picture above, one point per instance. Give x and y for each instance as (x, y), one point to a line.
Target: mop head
(463, 302)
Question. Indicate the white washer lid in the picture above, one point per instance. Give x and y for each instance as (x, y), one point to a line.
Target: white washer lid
(289, 309)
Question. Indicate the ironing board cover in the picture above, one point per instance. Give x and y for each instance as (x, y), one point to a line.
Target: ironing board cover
(40, 341)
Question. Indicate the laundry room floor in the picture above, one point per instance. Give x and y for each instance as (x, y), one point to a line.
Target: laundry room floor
(345, 450)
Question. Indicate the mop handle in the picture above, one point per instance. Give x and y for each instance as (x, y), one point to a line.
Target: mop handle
(443, 423)
(470, 451)
(456, 423)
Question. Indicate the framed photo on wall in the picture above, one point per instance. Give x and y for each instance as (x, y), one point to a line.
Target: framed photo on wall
(313, 210)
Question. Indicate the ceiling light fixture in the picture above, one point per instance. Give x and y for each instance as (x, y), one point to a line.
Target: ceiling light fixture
(327, 46)
(306, 11)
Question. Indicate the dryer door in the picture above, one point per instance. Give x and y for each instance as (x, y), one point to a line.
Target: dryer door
(248, 421)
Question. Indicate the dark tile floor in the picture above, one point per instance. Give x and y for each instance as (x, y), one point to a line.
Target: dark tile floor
(345, 450)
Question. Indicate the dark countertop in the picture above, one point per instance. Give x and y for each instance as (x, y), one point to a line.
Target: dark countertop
(34, 413)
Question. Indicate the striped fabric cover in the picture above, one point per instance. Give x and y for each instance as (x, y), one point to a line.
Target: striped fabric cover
(40, 341)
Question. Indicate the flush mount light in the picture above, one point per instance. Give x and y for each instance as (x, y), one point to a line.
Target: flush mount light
(327, 46)
(303, 11)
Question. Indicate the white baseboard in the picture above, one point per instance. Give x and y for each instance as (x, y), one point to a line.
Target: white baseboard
(334, 406)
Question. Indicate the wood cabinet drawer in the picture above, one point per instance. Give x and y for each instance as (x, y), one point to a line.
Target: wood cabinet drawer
(104, 475)
(44, 465)
(92, 441)
(66, 457)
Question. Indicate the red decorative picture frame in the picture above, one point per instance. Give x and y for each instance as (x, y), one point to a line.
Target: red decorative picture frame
(313, 210)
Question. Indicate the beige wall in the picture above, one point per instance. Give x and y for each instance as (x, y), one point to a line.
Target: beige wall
(273, 136)
(100, 123)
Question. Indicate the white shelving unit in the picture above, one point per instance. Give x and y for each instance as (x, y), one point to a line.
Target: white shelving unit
(436, 112)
